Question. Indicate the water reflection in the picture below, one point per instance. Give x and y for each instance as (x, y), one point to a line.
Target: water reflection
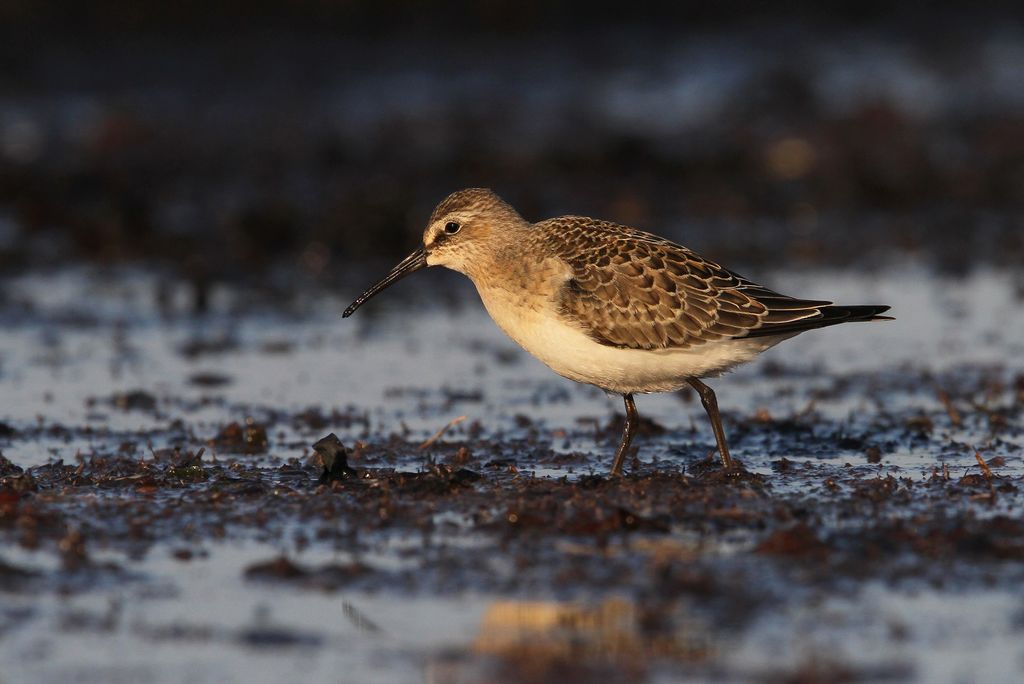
(614, 639)
(615, 630)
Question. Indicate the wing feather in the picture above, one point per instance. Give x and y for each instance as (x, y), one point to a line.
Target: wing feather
(636, 290)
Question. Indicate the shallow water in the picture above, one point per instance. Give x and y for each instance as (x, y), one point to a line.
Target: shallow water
(699, 580)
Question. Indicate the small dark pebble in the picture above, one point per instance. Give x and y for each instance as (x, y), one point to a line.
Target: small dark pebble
(281, 568)
(201, 347)
(463, 475)
(134, 400)
(278, 637)
(183, 555)
(209, 380)
(453, 396)
(334, 457)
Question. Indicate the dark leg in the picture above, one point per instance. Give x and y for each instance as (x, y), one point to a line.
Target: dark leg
(707, 397)
(632, 418)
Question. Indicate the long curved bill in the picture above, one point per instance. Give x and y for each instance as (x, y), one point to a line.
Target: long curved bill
(410, 264)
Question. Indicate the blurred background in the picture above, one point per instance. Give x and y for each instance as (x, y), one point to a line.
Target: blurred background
(304, 145)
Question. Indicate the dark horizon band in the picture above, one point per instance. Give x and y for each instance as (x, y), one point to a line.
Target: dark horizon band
(409, 264)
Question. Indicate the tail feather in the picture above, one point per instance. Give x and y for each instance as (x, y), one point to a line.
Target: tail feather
(826, 315)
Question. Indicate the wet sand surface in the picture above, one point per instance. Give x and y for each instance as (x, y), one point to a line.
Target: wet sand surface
(164, 517)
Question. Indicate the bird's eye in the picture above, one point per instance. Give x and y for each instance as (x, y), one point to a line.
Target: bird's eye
(452, 227)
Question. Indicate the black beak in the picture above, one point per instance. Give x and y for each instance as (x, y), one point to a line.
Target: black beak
(410, 264)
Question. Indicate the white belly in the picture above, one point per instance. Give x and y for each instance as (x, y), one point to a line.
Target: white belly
(568, 351)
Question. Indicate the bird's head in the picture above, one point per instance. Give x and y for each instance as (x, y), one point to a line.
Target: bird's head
(466, 229)
(467, 226)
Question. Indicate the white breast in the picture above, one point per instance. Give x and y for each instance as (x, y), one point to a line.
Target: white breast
(536, 326)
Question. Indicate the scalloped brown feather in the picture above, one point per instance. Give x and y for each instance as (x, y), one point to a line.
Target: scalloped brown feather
(636, 290)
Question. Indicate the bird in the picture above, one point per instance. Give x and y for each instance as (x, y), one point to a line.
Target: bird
(612, 306)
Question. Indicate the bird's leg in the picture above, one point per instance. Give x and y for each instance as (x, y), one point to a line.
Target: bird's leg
(632, 419)
(707, 397)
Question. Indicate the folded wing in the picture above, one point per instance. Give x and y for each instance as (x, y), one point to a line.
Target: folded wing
(636, 290)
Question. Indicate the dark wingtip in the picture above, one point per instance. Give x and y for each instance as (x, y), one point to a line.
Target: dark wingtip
(348, 312)
(875, 311)
(861, 313)
(881, 309)
(827, 315)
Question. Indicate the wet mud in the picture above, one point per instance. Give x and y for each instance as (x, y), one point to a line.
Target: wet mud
(485, 492)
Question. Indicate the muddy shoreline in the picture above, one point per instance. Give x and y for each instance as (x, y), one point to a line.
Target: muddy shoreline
(160, 490)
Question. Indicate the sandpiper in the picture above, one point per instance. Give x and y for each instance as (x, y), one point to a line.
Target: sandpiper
(612, 306)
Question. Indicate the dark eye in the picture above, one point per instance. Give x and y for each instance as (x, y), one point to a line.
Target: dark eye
(452, 227)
